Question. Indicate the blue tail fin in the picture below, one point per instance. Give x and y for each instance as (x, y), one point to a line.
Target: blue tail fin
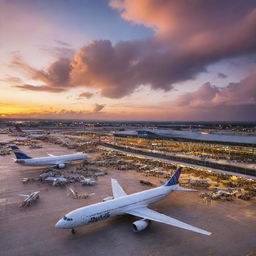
(19, 154)
(175, 178)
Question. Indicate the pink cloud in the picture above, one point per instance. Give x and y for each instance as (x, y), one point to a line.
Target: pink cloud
(189, 37)
(234, 94)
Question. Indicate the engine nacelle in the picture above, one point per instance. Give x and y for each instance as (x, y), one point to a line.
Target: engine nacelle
(140, 225)
(60, 166)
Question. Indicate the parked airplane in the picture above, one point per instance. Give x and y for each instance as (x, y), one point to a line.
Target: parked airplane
(87, 181)
(58, 161)
(134, 204)
(27, 132)
(33, 134)
(57, 180)
(22, 139)
(29, 199)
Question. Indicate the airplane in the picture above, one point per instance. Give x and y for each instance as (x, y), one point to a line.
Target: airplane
(57, 180)
(87, 181)
(59, 161)
(27, 132)
(29, 199)
(33, 134)
(133, 204)
(22, 139)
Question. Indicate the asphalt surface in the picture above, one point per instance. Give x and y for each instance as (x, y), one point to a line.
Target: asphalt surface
(31, 231)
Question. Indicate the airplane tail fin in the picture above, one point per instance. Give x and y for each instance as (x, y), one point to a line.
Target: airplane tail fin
(174, 180)
(18, 129)
(19, 154)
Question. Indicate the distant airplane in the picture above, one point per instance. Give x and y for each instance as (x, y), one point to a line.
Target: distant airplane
(58, 161)
(87, 181)
(29, 199)
(57, 180)
(22, 139)
(134, 204)
(33, 134)
(18, 129)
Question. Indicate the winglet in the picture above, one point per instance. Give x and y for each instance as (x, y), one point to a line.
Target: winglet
(175, 178)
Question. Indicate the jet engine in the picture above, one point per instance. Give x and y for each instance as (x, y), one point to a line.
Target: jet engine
(60, 166)
(140, 225)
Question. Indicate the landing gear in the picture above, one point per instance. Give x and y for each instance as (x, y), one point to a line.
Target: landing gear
(73, 231)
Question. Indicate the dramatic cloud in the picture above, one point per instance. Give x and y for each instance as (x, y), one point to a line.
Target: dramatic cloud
(189, 36)
(55, 77)
(87, 95)
(236, 101)
(186, 18)
(98, 107)
(203, 96)
(234, 94)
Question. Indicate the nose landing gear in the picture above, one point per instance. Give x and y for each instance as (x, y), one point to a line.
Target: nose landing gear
(73, 231)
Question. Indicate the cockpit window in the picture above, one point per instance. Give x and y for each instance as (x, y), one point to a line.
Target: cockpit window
(67, 219)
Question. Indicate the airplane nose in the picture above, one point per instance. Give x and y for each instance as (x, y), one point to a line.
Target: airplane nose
(59, 224)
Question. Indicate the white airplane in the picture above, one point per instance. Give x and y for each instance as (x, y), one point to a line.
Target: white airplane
(27, 132)
(22, 139)
(58, 161)
(33, 134)
(29, 199)
(134, 204)
(87, 181)
(57, 180)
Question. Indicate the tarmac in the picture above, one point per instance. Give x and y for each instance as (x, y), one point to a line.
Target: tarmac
(31, 231)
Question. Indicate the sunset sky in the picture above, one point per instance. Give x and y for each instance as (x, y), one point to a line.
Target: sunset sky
(128, 59)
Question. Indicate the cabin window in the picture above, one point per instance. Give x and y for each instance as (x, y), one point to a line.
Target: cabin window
(67, 219)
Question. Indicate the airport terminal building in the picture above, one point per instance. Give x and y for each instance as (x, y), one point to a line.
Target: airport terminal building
(192, 136)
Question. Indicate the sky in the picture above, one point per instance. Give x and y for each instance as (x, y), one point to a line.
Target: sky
(176, 60)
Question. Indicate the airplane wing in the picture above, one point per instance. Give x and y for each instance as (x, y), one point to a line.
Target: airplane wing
(117, 189)
(178, 188)
(149, 214)
(50, 154)
(23, 195)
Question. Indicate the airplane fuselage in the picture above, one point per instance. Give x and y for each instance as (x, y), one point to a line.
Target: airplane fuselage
(100, 211)
(51, 159)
